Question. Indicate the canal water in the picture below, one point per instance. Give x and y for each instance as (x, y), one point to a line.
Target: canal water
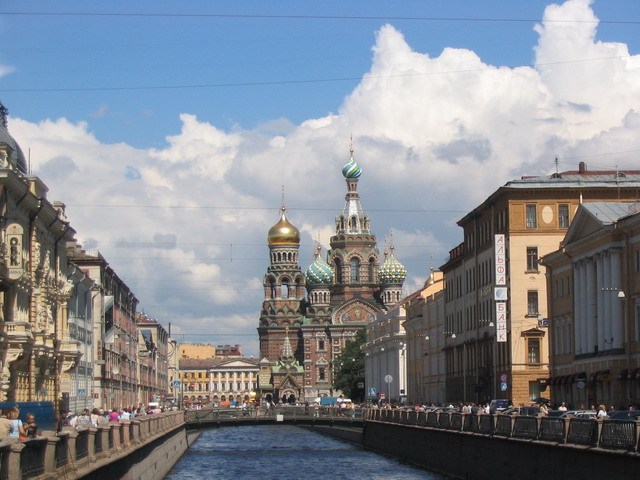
(285, 452)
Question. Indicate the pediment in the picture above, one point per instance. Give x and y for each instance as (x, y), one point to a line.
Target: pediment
(356, 310)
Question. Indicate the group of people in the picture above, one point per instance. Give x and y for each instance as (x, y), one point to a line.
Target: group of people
(12, 427)
(99, 416)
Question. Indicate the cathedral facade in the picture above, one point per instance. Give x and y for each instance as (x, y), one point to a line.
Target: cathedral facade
(308, 317)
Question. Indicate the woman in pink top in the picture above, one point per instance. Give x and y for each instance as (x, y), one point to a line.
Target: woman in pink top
(114, 415)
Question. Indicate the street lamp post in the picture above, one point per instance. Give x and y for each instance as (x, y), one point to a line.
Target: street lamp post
(388, 379)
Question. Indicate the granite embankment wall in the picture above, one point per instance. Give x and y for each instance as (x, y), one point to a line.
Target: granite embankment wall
(475, 456)
(145, 448)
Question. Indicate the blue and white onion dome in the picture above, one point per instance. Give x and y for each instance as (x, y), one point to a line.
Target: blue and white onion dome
(352, 169)
(319, 272)
(392, 272)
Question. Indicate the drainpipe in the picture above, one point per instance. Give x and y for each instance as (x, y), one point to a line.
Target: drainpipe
(56, 348)
(32, 219)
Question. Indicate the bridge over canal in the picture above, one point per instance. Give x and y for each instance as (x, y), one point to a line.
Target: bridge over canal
(291, 415)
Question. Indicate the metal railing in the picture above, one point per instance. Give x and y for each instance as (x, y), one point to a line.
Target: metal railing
(288, 413)
(602, 433)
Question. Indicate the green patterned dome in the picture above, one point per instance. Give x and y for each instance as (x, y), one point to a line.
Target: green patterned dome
(319, 272)
(352, 169)
(392, 272)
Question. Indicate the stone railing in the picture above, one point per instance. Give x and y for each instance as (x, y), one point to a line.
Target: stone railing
(75, 454)
(607, 434)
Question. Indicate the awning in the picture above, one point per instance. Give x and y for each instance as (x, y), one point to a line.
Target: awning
(603, 376)
(635, 375)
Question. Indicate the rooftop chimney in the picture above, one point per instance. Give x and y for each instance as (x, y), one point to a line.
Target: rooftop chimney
(582, 167)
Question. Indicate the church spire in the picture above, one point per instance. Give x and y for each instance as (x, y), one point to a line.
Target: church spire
(353, 219)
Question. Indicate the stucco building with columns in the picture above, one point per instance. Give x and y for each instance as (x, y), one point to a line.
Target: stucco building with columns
(594, 307)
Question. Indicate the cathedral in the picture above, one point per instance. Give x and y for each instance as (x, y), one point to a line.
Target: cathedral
(307, 318)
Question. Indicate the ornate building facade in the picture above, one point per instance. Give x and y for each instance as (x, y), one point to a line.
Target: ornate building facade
(308, 318)
(36, 349)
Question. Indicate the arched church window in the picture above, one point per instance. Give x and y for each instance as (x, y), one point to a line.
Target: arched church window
(355, 270)
(338, 272)
(284, 289)
(354, 224)
(272, 289)
(372, 263)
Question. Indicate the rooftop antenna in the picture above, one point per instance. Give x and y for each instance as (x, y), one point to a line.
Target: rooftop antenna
(557, 165)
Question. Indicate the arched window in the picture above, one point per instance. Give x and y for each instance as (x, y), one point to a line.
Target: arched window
(272, 289)
(354, 224)
(355, 270)
(284, 289)
(372, 263)
(338, 272)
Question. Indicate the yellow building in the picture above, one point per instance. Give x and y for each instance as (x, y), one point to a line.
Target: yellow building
(594, 308)
(504, 354)
(197, 350)
(425, 358)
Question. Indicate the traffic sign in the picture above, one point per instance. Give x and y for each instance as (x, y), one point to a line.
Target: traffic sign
(504, 378)
(372, 391)
(177, 383)
(503, 386)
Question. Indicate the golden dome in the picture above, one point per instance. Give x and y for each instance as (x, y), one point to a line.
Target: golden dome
(283, 232)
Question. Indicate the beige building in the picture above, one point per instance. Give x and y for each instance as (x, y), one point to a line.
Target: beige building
(209, 380)
(425, 341)
(36, 347)
(594, 308)
(197, 350)
(495, 347)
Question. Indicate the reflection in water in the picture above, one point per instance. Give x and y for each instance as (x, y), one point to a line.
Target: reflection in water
(284, 452)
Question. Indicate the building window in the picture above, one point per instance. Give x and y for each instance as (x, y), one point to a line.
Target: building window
(284, 289)
(321, 345)
(532, 303)
(533, 349)
(338, 272)
(355, 270)
(532, 259)
(531, 220)
(563, 215)
(321, 374)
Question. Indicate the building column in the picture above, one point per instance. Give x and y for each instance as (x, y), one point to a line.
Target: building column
(617, 320)
(592, 326)
(600, 295)
(607, 297)
(578, 307)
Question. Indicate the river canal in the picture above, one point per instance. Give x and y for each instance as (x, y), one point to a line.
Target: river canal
(285, 452)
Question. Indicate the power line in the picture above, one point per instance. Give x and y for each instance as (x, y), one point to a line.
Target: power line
(217, 207)
(312, 17)
(276, 82)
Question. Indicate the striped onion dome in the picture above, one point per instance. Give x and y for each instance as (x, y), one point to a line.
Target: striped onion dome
(392, 272)
(319, 272)
(352, 169)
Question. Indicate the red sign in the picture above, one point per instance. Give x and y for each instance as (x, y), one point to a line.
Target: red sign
(382, 395)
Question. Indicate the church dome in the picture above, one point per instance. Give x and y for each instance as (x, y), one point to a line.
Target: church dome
(392, 272)
(15, 158)
(319, 272)
(352, 169)
(283, 232)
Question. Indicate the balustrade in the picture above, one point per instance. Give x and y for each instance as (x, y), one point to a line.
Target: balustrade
(69, 452)
(603, 433)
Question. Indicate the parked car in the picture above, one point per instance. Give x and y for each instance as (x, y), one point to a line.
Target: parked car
(573, 413)
(498, 405)
(624, 415)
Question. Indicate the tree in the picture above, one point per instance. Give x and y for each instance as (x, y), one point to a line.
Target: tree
(349, 369)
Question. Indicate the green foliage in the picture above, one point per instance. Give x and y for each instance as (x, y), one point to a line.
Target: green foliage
(349, 369)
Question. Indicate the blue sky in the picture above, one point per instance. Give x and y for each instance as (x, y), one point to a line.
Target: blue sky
(169, 129)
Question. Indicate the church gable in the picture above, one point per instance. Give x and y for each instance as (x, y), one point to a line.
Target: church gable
(355, 311)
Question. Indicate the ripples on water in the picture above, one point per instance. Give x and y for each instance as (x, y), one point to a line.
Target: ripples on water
(285, 452)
